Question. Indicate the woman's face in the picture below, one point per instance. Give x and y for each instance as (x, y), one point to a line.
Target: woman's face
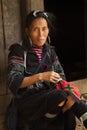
(38, 31)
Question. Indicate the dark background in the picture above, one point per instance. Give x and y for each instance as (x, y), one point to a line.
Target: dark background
(69, 40)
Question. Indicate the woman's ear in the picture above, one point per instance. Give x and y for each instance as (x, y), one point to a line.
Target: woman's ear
(27, 35)
(48, 39)
(48, 31)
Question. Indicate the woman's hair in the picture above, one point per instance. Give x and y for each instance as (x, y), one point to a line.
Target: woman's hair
(49, 17)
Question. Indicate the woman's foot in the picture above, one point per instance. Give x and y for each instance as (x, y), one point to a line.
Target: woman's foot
(78, 107)
(80, 110)
(83, 119)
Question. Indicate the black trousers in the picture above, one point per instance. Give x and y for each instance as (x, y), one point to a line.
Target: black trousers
(33, 107)
(62, 122)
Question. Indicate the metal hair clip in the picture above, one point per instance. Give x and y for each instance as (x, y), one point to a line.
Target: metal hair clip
(35, 13)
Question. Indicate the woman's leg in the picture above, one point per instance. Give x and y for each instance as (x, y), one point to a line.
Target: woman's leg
(69, 120)
(78, 107)
(35, 106)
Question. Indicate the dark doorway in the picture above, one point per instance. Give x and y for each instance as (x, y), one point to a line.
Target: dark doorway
(69, 43)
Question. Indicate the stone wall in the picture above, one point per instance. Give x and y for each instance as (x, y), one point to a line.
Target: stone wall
(10, 32)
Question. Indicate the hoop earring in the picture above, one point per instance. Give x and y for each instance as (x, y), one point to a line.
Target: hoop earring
(30, 41)
(48, 38)
(26, 37)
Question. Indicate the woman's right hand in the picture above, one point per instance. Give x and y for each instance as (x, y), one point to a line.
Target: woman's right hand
(50, 76)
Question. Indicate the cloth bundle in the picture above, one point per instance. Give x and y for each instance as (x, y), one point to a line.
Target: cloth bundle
(67, 86)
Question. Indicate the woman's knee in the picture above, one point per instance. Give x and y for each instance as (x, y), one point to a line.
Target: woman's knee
(61, 104)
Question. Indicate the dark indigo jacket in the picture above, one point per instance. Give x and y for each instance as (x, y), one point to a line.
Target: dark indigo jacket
(16, 69)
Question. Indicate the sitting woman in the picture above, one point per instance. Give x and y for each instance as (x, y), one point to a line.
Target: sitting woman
(33, 72)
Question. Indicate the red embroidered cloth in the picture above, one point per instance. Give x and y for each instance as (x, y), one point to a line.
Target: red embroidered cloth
(67, 86)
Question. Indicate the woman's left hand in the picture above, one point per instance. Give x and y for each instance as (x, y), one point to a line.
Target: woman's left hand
(50, 76)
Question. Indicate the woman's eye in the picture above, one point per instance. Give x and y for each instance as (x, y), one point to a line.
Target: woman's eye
(37, 29)
(45, 28)
(34, 29)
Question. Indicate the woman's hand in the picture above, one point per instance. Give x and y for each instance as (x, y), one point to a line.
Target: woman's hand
(50, 76)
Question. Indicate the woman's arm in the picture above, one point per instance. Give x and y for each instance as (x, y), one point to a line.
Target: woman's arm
(49, 76)
(16, 77)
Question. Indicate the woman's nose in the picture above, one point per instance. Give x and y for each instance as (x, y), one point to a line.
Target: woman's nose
(40, 32)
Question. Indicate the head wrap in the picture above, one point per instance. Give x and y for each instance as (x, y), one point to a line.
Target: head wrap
(34, 15)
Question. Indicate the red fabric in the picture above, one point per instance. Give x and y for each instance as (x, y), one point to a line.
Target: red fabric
(67, 86)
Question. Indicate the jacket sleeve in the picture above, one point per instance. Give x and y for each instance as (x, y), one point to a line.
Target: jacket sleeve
(57, 67)
(15, 68)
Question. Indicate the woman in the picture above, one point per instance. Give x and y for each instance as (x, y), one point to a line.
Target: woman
(33, 71)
